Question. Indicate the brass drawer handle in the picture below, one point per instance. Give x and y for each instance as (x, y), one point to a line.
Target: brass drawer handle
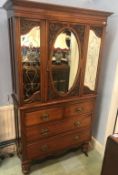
(77, 123)
(44, 134)
(44, 131)
(78, 109)
(44, 148)
(76, 137)
(45, 117)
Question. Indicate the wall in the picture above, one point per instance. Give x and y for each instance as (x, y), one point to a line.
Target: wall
(107, 93)
(2, 2)
(107, 102)
(75, 3)
(5, 72)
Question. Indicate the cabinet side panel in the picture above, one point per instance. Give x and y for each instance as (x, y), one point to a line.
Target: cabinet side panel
(13, 66)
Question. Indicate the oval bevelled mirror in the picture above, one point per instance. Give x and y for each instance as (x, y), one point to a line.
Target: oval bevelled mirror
(65, 61)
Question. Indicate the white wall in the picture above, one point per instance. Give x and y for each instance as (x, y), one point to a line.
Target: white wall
(2, 2)
(5, 71)
(75, 3)
(107, 102)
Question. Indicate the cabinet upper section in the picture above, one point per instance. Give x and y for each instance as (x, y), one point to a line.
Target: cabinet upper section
(49, 11)
(55, 50)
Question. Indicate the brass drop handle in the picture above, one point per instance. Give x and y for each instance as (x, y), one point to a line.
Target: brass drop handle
(44, 148)
(79, 109)
(45, 117)
(76, 137)
(77, 123)
(44, 134)
(44, 131)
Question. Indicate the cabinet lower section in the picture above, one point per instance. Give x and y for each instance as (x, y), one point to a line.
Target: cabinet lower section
(55, 146)
(49, 130)
(52, 145)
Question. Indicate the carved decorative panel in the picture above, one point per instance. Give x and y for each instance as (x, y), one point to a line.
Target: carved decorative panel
(27, 25)
(53, 30)
(80, 29)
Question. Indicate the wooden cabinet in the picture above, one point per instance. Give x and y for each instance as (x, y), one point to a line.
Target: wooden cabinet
(55, 60)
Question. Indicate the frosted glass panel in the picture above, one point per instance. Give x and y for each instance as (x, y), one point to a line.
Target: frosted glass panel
(92, 61)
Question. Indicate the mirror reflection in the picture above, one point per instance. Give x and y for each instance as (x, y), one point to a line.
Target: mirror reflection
(30, 48)
(92, 62)
(65, 60)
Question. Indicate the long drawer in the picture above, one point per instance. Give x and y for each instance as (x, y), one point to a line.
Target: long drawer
(57, 113)
(53, 144)
(42, 116)
(80, 108)
(52, 128)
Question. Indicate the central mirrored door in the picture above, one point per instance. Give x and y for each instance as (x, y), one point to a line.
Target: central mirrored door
(64, 61)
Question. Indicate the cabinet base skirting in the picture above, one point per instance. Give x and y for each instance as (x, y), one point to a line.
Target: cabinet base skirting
(26, 165)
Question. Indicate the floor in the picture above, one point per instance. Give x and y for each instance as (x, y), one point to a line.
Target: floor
(74, 163)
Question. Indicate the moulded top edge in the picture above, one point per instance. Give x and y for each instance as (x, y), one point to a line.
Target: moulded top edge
(10, 4)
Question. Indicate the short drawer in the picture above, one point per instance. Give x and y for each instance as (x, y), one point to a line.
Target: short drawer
(50, 129)
(81, 108)
(42, 116)
(49, 146)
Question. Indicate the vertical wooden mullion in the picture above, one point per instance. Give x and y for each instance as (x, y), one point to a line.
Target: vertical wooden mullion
(44, 56)
(84, 58)
(18, 58)
(47, 60)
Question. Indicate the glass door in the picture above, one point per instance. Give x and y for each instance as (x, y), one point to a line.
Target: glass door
(30, 52)
(93, 53)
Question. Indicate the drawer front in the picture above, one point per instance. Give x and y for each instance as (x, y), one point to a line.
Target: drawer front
(81, 108)
(50, 129)
(42, 116)
(54, 144)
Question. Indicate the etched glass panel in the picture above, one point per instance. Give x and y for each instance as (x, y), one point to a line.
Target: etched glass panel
(30, 48)
(65, 61)
(92, 60)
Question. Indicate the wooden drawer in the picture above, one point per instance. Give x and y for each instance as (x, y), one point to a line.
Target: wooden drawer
(50, 129)
(81, 108)
(51, 145)
(37, 117)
